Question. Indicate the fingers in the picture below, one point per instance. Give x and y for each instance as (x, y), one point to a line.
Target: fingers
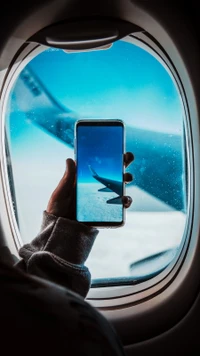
(128, 177)
(127, 201)
(128, 158)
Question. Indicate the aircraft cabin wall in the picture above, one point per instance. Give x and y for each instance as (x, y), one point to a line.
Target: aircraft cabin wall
(160, 314)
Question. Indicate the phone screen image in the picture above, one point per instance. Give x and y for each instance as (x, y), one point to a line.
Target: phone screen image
(99, 158)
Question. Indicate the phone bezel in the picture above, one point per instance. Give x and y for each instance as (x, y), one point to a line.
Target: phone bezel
(102, 122)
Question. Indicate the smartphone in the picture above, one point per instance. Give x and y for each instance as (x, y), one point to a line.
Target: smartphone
(99, 155)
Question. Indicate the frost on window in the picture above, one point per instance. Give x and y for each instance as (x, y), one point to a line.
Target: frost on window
(125, 82)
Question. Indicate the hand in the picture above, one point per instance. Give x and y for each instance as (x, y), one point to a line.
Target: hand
(128, 158)
(63, 202)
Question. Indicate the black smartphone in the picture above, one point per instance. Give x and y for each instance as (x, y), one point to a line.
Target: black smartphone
(99, 154)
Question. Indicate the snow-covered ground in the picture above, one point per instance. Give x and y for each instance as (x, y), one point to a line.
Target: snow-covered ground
(92, 204)
(144, 234)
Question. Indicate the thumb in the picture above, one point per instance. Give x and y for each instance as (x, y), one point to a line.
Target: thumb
(67, 182)
(70, 173)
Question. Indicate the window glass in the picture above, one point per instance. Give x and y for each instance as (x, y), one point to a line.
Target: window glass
(124, 82)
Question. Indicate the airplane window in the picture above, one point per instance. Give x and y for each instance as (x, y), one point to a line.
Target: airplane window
(124, 82)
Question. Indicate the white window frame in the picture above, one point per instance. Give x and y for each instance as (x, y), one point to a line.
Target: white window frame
(109, 297)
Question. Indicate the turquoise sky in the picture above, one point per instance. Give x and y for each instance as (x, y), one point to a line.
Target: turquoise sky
(124, 82)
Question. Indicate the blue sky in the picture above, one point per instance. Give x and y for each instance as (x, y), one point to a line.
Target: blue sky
(100, 148)
(124, 82)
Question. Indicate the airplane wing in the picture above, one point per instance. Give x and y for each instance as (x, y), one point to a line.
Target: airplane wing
(42, 109)
(159, 161)
(110, 186)
(160, 165)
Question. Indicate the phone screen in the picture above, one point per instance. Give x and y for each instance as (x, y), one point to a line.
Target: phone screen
(99, 157)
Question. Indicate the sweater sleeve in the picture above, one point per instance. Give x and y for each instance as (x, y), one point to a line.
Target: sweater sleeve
(59, 252)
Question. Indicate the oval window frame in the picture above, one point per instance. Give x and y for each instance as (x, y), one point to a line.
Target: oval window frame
(107, 297)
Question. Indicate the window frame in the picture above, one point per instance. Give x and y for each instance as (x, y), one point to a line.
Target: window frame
(114, 296)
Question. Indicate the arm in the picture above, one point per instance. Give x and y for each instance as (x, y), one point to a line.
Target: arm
(59, 252)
